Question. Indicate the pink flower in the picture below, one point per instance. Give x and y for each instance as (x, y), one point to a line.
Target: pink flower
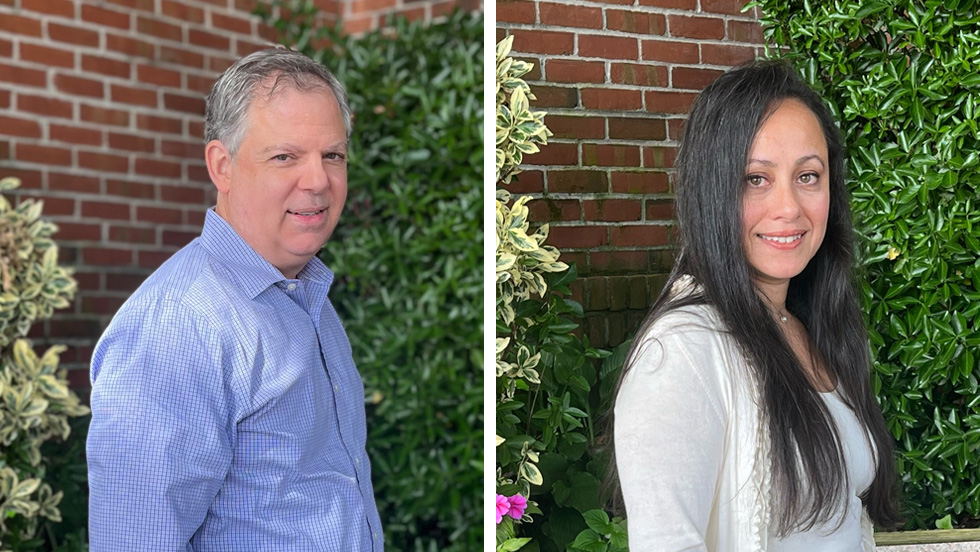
(517, 505)
(503, 506)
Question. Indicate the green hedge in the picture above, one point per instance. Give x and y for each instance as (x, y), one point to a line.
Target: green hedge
(408, 255)
(902, 77)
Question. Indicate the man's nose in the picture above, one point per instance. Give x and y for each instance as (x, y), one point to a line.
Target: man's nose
(315, 177)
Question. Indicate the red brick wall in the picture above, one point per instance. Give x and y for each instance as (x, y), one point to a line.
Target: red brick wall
(101, 110)
(617, 78)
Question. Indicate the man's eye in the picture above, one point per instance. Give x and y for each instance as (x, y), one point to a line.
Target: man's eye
(281, 157)
(334, 156)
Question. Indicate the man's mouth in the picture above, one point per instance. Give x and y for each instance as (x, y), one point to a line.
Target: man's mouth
(307, 213)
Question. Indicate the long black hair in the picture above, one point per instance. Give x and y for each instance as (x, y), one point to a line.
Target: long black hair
(807, 460)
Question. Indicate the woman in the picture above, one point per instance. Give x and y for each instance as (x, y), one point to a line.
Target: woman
(745, 419)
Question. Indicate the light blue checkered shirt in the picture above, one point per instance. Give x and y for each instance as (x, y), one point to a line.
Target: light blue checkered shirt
(227, 413)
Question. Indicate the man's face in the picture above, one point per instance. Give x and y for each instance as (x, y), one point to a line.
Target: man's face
(284, 190)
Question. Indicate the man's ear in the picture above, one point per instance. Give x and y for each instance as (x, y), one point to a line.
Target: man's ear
(219, 162)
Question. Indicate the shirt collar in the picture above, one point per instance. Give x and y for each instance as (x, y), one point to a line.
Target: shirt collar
(251, 271)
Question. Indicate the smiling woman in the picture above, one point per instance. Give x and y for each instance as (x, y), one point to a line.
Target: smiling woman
(744, 418)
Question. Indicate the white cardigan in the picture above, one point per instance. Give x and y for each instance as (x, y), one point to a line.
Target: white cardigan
(691, 449)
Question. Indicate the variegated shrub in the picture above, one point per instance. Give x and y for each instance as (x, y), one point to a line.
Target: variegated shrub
(35, 401)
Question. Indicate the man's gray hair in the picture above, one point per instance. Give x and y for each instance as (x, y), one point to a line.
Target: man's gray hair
(227, 105)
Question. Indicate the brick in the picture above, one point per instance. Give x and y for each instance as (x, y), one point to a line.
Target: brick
(153, 167)
(554, 154)
(148, 74)
(554, 96)
(726, 54)
(106, 256)
(610, 155)
(181, 56)
(596, 293)
(208, 40)
(157, 123)
(73, 183)
(619, 262)
(659, 157)
(689, 5)
(366, 6)
(515, 11)
(105, 17)
(575, 71)
(131, 46)
(217, 64)
(44, 105)
(79, 86)
(414, 14)
(669, 102)
(29, 180)
(644, 182)
(639, 75)
(182, 194)
(135, 96)
(126, 188)
(355, 25)
(6, 48)
(577, 237)
(105, 210)
(72, 34)
(182, 11)
(5, 99)
(612, 99)
(578, 181)
(691, 78)
(727, 7)
(547, 210)
(609, 47)
(696, 27)
(47, 155)
(132, 234)
(576, 289)
(103, 162)
(443, 9)
(132, 142)
(612, 210)
(636, 22)
(125, 282)
(618, 299)
(19, 24)
(177, 238)
(543, 42)
(183, 102)
(14, 126)
(114, 117)
(231, 23)
(675, 129)
(199, 84)
(637, 129)
(527, 182)
(100, 304)
(660, 209)
(5, 151)
(565, 15)
(149, 25)
(195, 217)
(77, 231)
(159, 215)
(670, 51)
(595, 328)
(576, 127)
(198, 173)
(61, 8)
(22, 75)
(152, 259)
(56, 57)
(106, 66)
(745, 31)
(193, 150)
(245, 47)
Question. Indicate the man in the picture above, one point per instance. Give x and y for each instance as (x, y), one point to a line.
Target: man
(227, 413)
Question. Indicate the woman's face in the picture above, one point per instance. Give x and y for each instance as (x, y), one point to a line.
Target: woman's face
(787, 194)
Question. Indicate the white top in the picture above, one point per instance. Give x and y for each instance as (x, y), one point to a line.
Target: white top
(691, 449)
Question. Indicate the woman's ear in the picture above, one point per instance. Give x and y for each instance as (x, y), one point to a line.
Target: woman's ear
(218, 159)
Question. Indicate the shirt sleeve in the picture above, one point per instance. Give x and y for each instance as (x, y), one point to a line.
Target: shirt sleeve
(669, 439)
(162, 433)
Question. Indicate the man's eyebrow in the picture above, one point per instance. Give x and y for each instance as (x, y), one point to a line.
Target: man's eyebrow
(286, 146)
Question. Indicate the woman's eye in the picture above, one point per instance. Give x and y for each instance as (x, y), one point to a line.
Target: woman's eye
(753, 180)
(808, 178)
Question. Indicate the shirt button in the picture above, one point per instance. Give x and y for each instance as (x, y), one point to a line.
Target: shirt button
(291, 287)
(336, 387)
(357, 460)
